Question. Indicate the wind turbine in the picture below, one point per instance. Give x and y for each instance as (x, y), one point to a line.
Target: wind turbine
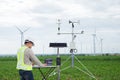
(95, 37)
(94, 42)
(22, 34)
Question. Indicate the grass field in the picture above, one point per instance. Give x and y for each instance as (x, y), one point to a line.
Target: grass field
(103, 67)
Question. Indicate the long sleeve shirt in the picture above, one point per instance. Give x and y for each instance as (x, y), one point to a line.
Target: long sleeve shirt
(30, 58)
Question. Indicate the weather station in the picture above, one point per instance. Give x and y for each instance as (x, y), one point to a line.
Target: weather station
(72, 50)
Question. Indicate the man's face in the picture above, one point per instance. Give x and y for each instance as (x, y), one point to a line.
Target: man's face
(30, 45)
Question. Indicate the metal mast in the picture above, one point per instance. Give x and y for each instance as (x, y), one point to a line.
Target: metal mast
(72, 44)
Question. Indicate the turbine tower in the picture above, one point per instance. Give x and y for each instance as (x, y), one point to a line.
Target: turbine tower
(22, 34)
(101, 41)
(94, 42)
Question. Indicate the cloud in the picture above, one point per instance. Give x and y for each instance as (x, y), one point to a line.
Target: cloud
(42, 14)
(12, 13)
(33, 13)
(100, 8)
(47, 8)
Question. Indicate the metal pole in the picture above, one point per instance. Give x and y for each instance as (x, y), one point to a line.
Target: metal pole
(72, 42)
(72, 59)
(58, 66)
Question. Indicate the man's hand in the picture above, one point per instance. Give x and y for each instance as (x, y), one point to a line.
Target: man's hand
(44, 64)
(33, 64)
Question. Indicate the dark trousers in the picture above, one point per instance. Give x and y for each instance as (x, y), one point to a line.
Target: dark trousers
(26, 75)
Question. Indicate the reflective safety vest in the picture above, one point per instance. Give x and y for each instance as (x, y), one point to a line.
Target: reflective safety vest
(20, 60)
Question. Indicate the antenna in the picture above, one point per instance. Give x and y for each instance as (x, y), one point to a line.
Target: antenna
(22, 34)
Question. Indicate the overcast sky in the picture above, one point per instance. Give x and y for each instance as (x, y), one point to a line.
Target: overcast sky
(42, 15)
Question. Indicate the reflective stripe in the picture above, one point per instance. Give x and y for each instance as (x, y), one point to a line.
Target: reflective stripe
(20, 60)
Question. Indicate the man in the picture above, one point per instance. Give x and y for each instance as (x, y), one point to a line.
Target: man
(25, 60)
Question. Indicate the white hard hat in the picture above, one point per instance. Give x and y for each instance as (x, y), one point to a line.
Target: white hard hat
(28, 40)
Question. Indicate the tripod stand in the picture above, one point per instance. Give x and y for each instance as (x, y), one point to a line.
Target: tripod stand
(86, 71)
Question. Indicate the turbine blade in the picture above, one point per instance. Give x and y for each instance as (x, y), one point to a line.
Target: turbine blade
(18, 29)
(26, 29)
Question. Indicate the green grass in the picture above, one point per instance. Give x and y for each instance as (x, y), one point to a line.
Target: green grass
(103, 67)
